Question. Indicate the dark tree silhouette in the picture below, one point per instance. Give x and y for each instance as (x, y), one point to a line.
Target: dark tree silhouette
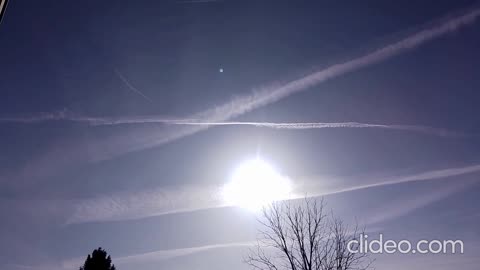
(303, 237)
(99, 260)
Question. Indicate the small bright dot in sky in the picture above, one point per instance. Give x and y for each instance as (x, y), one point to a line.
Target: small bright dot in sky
(221, 70)
(255, 184)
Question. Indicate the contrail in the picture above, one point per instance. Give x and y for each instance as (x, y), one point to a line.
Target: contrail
(425, 176)
(245, 104)
(131, 87)
(161, 255)
(90, 120)
(267, 96)
(156, 202)
(42, 117)
(146, 138)
(105, 121)
(316, 125)
(241, 105)
(158, 255)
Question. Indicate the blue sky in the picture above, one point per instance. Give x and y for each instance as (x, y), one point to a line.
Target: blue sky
(95, 150)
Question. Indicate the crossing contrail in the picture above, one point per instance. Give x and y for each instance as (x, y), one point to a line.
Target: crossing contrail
(105, 121)
(144, 138)
(242, 105)
(270, 95)
(316, 125)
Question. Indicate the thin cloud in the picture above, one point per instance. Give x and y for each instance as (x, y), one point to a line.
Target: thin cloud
(156, 256)
(386, 212)
(391, 211)
(104, 148)
(37, 118)
(106, 121)
(425, 176)
(162, 255)
(292, 125)
(131, 87)
(266, 96)
(127, 206)
(120, 144)
(423, 129)
(67, 116)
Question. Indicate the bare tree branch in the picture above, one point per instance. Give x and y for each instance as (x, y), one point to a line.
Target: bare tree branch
(302, 237)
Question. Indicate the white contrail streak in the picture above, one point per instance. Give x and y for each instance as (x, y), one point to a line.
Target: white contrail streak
(162, 255)
(241, 105)
(132, 261)
(105, 121)
(426, 176)
(90, 120)
(268, 96)
(316, 125)
(38, 118)
(131, 87)
(128, 206)
(145, 138)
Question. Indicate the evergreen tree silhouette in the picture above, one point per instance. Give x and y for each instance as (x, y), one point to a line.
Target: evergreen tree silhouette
(99, 260)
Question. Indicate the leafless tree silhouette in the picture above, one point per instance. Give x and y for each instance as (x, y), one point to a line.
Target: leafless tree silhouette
(303, 237)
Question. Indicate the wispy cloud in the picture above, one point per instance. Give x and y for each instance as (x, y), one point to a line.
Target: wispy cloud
(160, 202)
(384, 213)
(67, 116)
(106, 121)
(162, 255)
(393, 210)
(130, 86)
(145, 138)
(40, 117)
(142, 137)
(318, 125)
(269, 95)
(425, 176)
(127, 205)
(156, 256)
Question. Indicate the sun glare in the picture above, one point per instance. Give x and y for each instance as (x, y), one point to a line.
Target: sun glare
(255, 184)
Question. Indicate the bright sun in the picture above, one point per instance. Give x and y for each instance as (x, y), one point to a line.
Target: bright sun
(255, 184)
